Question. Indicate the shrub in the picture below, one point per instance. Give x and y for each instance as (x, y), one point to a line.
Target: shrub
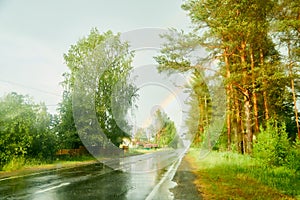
(293, 157)
(272, 146)
(14, 164)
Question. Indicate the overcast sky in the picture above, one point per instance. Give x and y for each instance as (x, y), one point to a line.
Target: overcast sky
(35, 34)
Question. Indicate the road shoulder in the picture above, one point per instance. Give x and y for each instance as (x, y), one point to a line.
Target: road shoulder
(185, 177)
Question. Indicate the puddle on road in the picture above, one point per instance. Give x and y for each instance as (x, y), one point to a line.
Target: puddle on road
(143, 183)
(164, 192)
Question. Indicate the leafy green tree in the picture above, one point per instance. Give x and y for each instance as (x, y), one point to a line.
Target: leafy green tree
(177, 57)
(44, 139)
(293, 157)
(287, 31)
(17, 122)
(200, 108)
(236, 34)
(272, 145)
(140, 135)
(102, 65)
(65, 125)
(165, 130)
(25, 129)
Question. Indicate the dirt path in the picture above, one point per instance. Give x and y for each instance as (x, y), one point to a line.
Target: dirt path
(184, 178)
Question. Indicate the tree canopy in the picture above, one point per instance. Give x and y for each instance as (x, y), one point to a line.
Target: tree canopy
(259, 83)
(25, 129)
(100, 65)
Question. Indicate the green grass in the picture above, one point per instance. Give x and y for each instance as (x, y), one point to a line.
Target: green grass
(143, 150)
(15, 163)
(234, 176)
(21, 163)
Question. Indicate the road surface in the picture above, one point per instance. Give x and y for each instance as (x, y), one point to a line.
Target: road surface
(139, 177)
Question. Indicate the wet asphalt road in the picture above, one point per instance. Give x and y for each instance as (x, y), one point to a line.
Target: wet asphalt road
(138, 177)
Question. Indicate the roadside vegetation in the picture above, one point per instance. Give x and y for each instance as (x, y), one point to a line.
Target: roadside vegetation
(227, 175)
(253, 129)
(23, 166)
(30, 135)
(271, 172)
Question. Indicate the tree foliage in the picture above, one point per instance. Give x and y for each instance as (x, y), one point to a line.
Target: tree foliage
(164, 129)
(103, 64)
(272, 145)
(238, 35)
(65, 125)
(25, 129)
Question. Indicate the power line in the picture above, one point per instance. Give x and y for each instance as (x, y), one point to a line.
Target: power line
(29, 87)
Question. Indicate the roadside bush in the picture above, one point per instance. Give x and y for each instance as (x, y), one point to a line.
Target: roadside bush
(293, 157)
(272, 145)
(14, 164)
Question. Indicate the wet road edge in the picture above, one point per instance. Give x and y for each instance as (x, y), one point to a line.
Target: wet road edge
(185, 177)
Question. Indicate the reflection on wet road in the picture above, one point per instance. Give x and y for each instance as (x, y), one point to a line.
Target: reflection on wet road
(126, 178)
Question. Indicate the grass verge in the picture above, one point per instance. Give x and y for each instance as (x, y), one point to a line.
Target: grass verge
(21, 166)
(234, 176)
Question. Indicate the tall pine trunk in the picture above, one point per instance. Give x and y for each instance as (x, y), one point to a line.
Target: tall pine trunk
(290, 69)
(239, 126)
(228, 99)
(254, 96)
(265, 95)
(247, 103)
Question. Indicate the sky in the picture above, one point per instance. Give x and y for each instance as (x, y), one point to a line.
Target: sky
(35, 34)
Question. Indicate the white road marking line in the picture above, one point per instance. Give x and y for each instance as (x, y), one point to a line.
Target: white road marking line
(168, 174)
(21, 176)
(51, 188)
